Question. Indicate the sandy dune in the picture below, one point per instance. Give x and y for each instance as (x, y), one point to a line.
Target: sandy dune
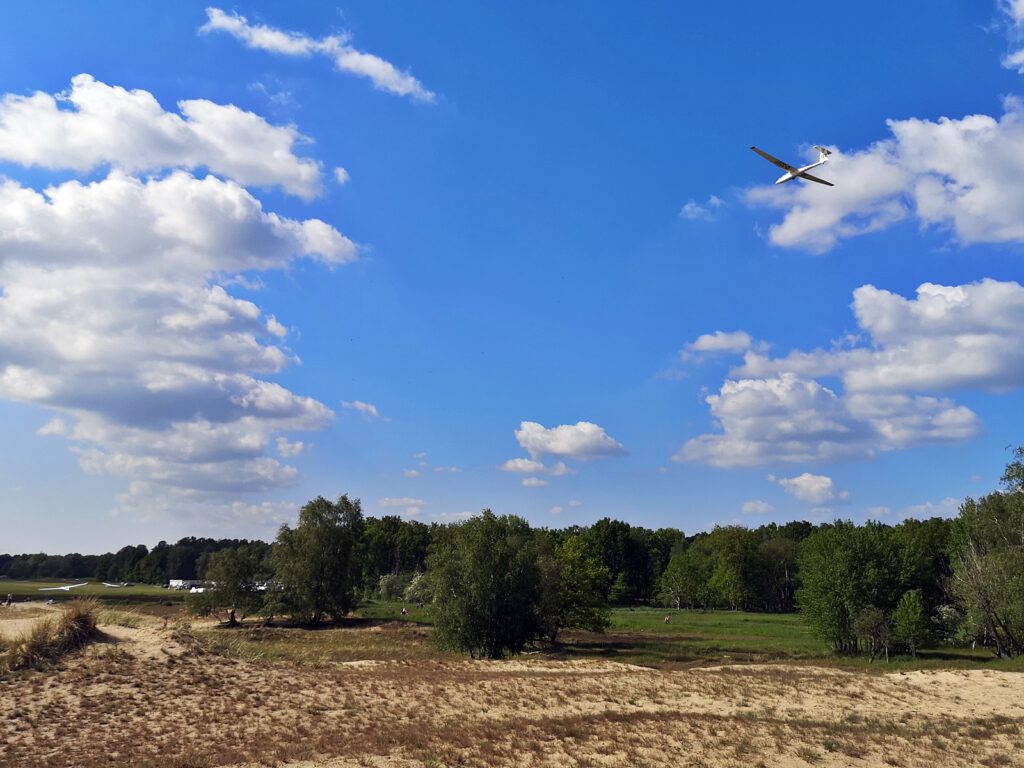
(152, 697)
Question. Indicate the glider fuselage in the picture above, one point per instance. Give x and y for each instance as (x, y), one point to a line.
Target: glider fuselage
(789, 176)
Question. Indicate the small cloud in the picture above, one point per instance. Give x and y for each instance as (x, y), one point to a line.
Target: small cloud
(453, 517)
(274, 327)
(54, 426)
(287, 449)
(407, 505)
(526, 466)
(341, 175)
(411, 472)
(874, 513)
(812, 489)
(756, 507)
(694, 211)
(734, 342)
(557, 510)
(279, 98)
(575, 503)
(534, 482)
(948, 507)
(367, 410)
(532, 466)
(420, 455)
(449, 470)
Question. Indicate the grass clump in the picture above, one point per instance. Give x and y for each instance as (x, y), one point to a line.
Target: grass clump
(120, 617)
(51, 639)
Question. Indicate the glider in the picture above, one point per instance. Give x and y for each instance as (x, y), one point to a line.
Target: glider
(802, 173)
(108, 584)
(65, 588)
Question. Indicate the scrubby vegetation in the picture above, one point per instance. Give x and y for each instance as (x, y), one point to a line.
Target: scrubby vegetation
(50, 639)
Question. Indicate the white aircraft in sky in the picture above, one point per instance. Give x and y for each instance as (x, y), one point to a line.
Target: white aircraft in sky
(802, 173)
(65, 588)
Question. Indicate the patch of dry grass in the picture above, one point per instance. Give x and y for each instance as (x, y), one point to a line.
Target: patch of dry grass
(198, 698)
(50, 639)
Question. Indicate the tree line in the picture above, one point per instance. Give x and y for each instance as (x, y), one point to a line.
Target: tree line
(496, 584)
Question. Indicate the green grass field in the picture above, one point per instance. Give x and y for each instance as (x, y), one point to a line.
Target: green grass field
(140, 593)
(641, 636)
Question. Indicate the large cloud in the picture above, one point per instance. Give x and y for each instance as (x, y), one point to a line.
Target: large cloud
(95, 124)
(384, 75)
(948, 338)
(115, 315)
(965, 175)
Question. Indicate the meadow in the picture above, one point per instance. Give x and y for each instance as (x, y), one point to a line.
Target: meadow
(136, 593)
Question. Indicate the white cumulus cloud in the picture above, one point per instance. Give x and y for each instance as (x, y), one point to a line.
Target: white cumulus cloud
(582, 441)
(964, 175)
(115, 308)
(946, 339)
(720, 341)
(94, 124)
(812, 489)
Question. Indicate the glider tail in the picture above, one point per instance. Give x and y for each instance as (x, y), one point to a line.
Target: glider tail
(823, 153)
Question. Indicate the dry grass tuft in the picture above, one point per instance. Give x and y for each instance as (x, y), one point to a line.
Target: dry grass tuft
(51, 639)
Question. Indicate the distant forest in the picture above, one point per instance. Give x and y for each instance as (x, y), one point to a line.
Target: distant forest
(729, 567)
(949, 580)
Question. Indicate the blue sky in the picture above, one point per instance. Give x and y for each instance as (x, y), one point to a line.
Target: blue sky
(551, 278)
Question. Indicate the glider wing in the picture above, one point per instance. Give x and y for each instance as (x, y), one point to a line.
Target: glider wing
(775, 160)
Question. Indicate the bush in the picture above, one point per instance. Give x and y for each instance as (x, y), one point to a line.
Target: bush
(393, 586)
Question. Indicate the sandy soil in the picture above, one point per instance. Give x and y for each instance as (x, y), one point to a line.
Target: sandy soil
(154, 697)
(17, 619)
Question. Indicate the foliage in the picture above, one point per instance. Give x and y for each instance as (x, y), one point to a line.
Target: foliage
(844, 569)
(573, 583)
(316, 564)
(234, 577)
(419, 589)
(910, 622)
(487, 585)
(392, 545)
(988, 546)
(393, 586)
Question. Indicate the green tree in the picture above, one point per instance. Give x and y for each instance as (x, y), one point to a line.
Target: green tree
(910, 622)
(233, 580)
(844, 569)
(574, 586)
(316, 564)
(988, 568)
(487, 585)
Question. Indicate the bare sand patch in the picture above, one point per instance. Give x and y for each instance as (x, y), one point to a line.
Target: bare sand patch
(17, 619)
(157, 697)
